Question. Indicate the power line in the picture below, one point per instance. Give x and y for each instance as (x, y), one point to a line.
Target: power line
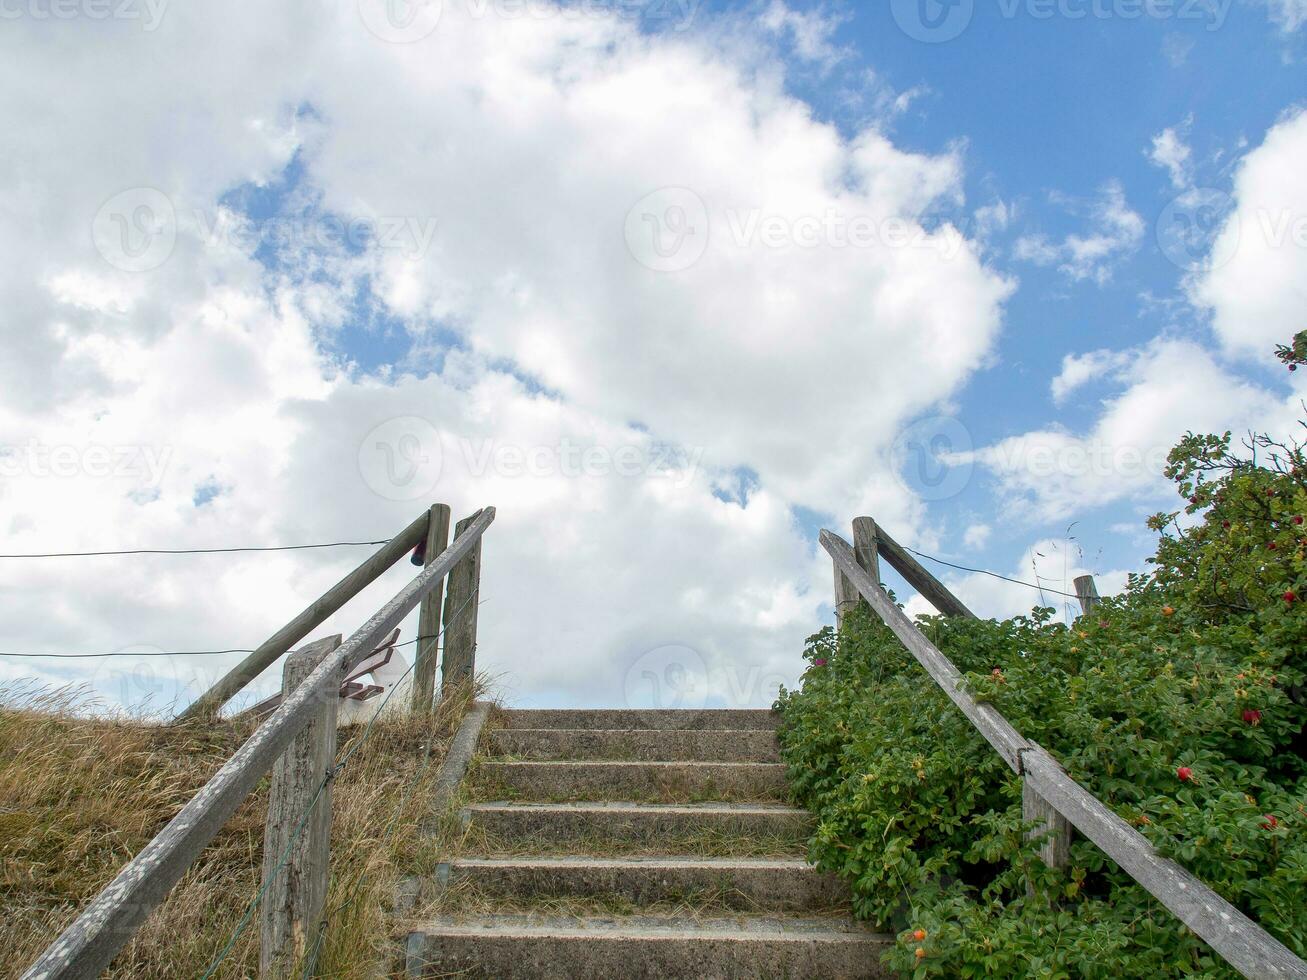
(986, 571)
(155, 653)
(199, 551)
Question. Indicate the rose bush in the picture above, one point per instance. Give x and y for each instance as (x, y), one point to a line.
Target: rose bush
(1179, 703)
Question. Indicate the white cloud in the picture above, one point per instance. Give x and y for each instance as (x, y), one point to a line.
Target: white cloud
(1289, 15)
(1116, 231)
(809, 31)
(1255, 283)
(1171, 153)
(1080, 369)
(527, 141)
(1170, 387)
(977, 536)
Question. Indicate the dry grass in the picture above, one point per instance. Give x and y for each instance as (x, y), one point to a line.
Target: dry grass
(80, 796)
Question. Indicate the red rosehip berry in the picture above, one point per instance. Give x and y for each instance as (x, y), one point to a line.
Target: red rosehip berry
(1226, 525)
(1193, 499)
(1271, 546)
(1252, 716)
(920, 954)
(919, 935)
(1271, 821)
(1291, 597)
(1297, 519)
(1184, 774)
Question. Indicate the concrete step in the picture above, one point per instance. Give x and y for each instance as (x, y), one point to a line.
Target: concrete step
(648, 745)
(715, 719)
(605, 827)
(746, 884)
(643, 948)
(671, 782)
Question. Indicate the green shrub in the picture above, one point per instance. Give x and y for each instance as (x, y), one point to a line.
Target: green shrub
(1178, 703)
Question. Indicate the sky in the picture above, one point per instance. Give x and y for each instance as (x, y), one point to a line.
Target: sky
(673, 285)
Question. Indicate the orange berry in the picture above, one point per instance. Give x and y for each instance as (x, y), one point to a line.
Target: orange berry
(921, 953)
(919, 935)
(1168, 610)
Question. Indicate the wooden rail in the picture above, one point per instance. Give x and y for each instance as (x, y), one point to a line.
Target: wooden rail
(87, 946)
(1052, 795)
(308, 620)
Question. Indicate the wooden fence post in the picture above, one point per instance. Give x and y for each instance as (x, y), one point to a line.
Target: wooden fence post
(428, 643)
(865, 548)
(293, 904)
(1087, 591)
(461, 600)
(1055, 851)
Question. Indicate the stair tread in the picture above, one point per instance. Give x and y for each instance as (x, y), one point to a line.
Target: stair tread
(607, 806)
(680, 927)
(636, 861)
(635, 763)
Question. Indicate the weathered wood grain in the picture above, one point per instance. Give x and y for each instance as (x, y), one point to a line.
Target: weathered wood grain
(427, 649)
(292, 906)
(461, 600)
(87, 946)
(1087, 592)
(1055, 849)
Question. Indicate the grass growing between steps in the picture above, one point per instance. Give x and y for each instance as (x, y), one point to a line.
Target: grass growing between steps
(718, 901)
(700, 843)
(80, 796)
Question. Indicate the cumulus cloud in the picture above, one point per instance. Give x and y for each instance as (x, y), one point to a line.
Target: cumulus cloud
(1254, 280)
(1116, 231)
(527, 182)
(1168, 387)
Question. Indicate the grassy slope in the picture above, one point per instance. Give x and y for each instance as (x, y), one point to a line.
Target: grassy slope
(79, 797)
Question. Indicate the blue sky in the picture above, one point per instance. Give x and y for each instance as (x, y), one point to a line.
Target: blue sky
(599, 270)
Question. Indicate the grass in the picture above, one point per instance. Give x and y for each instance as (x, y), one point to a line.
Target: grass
(80, 795)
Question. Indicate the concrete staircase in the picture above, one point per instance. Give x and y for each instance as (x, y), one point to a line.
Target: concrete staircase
(639, 844)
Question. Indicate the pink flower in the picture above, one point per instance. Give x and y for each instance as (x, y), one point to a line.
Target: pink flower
(819, 662)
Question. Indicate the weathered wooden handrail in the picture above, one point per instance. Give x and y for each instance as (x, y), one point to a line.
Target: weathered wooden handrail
(87, 946)
(1243, 944)
(308, 620)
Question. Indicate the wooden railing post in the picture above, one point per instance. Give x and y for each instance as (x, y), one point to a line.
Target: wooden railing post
(865, 547)
(1087, 592)
(297, 891)
(461, 600)
(428, 643)
(1055, 851)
